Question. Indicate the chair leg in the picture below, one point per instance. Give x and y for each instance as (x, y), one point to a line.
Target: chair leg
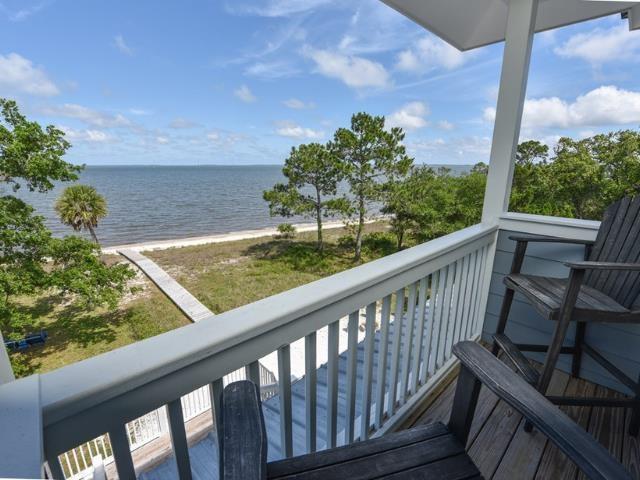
(507, 300)
(576, 362)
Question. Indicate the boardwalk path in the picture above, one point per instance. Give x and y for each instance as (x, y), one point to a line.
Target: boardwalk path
(187, 303)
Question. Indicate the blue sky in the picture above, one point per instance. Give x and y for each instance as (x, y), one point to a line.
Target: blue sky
(240, 82)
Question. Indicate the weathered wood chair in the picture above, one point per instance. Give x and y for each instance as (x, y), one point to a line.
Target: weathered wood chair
(433, 451)
(603, 288)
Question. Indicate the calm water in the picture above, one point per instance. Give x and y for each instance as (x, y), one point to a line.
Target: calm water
(157, 203)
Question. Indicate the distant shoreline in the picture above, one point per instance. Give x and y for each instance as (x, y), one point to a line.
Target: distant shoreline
(222, 237)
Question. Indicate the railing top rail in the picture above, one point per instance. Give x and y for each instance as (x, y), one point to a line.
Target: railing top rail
(547, 225)
(77, 387)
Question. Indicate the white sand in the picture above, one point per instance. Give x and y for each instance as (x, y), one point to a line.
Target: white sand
(223, 237)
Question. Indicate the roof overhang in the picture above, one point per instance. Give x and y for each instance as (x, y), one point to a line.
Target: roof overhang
(469, 24)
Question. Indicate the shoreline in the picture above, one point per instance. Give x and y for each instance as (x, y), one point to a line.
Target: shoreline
(222, 237)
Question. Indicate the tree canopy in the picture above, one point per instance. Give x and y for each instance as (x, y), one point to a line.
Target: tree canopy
(372, 156)
(31, 259)
(81, 207)
(313, 174)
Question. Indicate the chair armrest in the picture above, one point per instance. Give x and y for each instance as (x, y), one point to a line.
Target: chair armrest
(590, 457)
(603, 266)
(537, 238)
(244, 438)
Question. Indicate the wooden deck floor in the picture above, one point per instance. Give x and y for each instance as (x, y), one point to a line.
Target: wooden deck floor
(503, 450)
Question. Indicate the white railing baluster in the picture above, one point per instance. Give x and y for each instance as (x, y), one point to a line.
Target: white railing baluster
(332, 383)
(474, 296)
(463, 294)
(352, 370)
(454, 305)
(284, 393)
(395, 350)
(417, 344)
(122, 452)
(383, 348)
(468, 295)
(435, 300)
(408, 342)
(443, 351)
(472, 276)
(367, 374)
(215, 391)
(480, 291)
(179, 439)
(310, 384)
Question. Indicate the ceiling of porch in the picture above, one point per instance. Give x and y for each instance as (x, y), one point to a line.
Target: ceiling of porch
(470, 24)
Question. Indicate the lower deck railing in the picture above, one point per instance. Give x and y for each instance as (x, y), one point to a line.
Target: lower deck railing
(78, 463)
(401, 315)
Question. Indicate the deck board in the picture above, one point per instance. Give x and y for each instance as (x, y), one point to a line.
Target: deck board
(503, 450)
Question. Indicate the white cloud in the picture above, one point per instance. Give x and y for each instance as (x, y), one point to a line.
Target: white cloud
(139, 112)
(224, 139)
(355, 72)
(445, 125)
(18, 74)
(430, 53)
(182, 123)
(275, 8)
(121, 45)
(297, 104)
(459, 150)
(88, 135)
(606, 105)
(162, 140)
(271, 70)
(291, 130)
(88, 115)
(409, 117)
(244, 94)
(601, 46)
(24, 13)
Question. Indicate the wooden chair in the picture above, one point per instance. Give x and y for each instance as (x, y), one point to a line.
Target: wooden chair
(603, 288)
(433, 451)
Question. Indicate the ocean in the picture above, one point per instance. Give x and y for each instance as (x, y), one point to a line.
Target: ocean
(150, 203)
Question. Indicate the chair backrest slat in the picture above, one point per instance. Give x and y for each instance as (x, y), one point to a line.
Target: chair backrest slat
(618, 240)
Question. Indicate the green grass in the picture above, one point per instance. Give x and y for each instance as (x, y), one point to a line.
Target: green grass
(223, 276)
(228, 275)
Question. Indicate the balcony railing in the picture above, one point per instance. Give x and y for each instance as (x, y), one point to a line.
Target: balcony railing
(415, 305)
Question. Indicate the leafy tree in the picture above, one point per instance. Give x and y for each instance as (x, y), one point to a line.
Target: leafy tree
(530, 187)
(81, 207)
(576, 180)
(312, 173)
(31, 260)
(30, 154)
(372, 156)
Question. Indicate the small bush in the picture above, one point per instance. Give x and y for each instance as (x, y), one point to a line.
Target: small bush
(347, 241)
(286, 230)
(380, 243)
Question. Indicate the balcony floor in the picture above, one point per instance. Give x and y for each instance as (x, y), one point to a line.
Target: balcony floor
(503, 450)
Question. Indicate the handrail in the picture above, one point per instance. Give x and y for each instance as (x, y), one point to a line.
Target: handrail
(91, 397)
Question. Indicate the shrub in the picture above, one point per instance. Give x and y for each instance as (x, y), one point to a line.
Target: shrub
(286, 230)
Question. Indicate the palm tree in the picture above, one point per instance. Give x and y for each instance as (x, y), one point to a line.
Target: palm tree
(81, 207)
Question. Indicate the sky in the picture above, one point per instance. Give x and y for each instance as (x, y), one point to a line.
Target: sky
(240, 82)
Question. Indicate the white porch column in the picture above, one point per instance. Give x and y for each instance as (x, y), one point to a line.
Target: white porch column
(513, 85)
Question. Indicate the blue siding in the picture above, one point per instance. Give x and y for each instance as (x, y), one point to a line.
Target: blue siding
(619, 343)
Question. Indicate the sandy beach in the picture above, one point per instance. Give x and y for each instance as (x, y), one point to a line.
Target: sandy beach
(221, 237)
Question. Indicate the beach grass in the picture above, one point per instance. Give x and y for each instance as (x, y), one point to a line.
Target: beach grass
(222, 276)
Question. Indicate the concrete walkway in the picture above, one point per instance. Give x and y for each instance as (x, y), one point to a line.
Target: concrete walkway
(187, 303)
